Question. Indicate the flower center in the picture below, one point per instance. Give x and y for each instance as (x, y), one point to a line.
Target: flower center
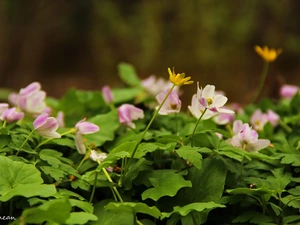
(209, 101)
(173, 106)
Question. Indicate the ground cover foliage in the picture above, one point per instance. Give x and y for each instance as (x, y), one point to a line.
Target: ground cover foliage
(179, 173)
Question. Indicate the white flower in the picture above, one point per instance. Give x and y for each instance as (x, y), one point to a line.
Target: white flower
(171, 105)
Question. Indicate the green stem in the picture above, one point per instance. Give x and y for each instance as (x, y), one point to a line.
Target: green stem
(25, 141)
(176, 124)
(73, 130)
(87, 155)
(4, 124)
(262, 81)
(94, 188)
(146, 129)
(110, 180)
(285, 126)
(192, 137)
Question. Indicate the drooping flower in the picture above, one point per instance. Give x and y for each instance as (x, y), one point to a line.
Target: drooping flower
(179, 79)
(171, 105)
(107, 94)
(11, 115)
(128, 113)
(154, 85)
(269, 55)
(30, 99)
(82, 128)
(288, 91)
(46, 126)
(246, 138)
(99, 157)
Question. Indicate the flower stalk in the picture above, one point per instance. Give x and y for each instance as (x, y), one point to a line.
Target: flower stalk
(192, 137)
(262, 81)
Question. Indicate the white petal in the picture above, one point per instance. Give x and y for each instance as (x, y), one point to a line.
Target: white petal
(208, 91)
(219, 101)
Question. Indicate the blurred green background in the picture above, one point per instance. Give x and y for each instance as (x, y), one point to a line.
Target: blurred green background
(79, 43)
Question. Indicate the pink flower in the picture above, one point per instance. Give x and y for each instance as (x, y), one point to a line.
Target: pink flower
(11, 115)
(288, 91)
(30, 99)
(128, 113)
(273, 117)
(46, 126)
(224, 118)
(82, 128)
(258, 120)
(154, 85)
(171, 105)
(107, 94)
(245, 138)
(206, 99)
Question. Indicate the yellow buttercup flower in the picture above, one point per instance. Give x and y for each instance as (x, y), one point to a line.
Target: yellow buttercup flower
(179, 78)
(269, 55)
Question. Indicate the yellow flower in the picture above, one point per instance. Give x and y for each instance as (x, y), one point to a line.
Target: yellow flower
(179, 78)
(269, 55)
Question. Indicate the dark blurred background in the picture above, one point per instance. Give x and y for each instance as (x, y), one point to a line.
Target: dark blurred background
(79, 43)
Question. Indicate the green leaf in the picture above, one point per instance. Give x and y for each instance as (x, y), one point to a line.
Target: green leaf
(81, 218)
(295, 191)
(191, 154)
(63, 142)
(293, 159)
(85, 206)
(252, 217)
(68, 193)
(55, 173)
(250, 191)
(165, 184)
(125, 94)
(109, 218)
(128, 75)
(208, 183)
(4, 139)
(277, 210)
(199, 207)
(55, 211)
(29, 190)
(13, 173)
(291, 200)
(134, 208)
(151, 147)
(108, 123)
(280, 180)
(289, 219)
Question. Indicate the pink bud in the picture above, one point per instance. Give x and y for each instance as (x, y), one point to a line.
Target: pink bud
(46, 126)
(128, 113)
(107, 94)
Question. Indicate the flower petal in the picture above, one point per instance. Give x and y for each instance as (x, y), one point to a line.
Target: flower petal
(40, 120)
(87, 128)
(208, 91)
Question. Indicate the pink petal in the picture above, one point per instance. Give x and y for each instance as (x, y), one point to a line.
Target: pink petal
(87, 128)
(40, 120)
(237, 126)
(107, 94)
(31, 88)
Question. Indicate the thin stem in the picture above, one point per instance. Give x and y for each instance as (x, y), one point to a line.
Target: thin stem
(25, 141)
(110, 180)
(192, 137)
(94, 188)
(112, 191)
(285, 126)
(146, 129)
(73, 130)
(176, 124)
(4, 124)
(87, 155)
(262, 81)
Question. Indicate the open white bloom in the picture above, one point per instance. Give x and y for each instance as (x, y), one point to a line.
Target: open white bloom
(206, 99)
(246, 138)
